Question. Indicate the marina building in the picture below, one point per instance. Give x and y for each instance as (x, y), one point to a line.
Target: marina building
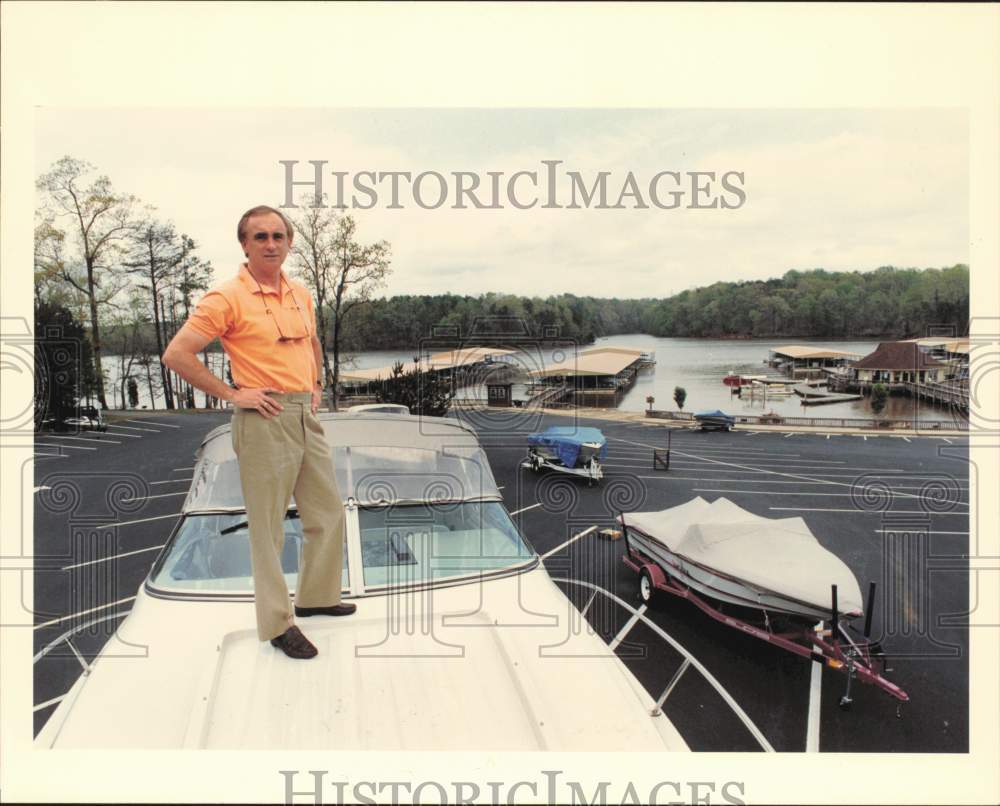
(897, 362)
(911, 368)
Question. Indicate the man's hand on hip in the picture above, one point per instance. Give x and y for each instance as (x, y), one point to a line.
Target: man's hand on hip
(317, 398)
(257, 399)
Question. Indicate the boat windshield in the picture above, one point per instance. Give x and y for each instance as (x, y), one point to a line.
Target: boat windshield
(212, 553)
(401, 544)
(406, 544)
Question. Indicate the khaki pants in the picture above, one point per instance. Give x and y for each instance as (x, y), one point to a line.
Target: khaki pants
(279, 456)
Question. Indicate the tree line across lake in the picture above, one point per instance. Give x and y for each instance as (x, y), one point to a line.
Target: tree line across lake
(891, 302)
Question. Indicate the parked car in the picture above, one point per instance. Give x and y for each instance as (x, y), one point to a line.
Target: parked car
(89, 419)
(385, 408)
(461, 640)
(86, 418)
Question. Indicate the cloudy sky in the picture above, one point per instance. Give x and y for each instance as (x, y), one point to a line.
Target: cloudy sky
(841, 190)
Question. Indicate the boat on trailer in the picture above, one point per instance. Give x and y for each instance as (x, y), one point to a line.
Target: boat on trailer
(715, 420)
(718, 555)
(575, 450)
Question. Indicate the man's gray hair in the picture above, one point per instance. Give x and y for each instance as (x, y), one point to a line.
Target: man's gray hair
(262, 209)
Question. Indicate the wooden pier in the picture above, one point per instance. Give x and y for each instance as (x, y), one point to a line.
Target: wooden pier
(948, 393)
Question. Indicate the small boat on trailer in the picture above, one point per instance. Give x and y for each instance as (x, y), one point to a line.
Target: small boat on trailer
(715, 420)
(719, 555)
(575, 450)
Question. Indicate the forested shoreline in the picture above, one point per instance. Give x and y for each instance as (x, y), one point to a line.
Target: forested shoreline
(890, 302)
(818, 304)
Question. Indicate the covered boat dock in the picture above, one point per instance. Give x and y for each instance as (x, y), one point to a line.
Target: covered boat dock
(461, 366)
(803, 361)
(596, 377)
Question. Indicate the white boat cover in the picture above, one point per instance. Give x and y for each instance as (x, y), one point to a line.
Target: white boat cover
(779, 555)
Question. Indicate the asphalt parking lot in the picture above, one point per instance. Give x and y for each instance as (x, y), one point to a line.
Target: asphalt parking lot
(894, 509)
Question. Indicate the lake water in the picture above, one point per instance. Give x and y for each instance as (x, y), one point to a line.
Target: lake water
(698, 365)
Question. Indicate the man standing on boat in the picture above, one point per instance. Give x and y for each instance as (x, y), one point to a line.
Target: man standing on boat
(267, 327)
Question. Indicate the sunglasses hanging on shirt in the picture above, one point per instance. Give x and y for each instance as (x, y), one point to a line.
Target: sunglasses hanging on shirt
(277, 324)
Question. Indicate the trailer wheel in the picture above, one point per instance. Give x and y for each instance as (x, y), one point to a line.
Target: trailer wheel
(646, 586)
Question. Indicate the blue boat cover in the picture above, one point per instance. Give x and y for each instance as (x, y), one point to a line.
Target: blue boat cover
(714, 415)
(565, 441)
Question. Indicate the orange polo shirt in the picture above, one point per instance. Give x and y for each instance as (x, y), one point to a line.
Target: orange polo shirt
(235, 313)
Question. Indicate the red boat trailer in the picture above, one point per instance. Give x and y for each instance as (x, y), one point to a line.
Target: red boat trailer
(861, 659)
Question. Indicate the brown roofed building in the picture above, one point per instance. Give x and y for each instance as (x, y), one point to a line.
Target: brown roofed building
(897, 362)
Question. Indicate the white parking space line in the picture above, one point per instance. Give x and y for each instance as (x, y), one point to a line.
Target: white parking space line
(111, 557)
(838, 464)
(128, 436)
(722, 451)
(573, 539)
(133, 428)
(815, 690)
(792, 465)
(766, 466)
(695, 467)
(141, 520)
(791, 459)
(82, 613)
(791, 434)
(178, 481)
(51, 455)
(628, 626)
(810, 477)
(590, 601)
(776, 492)
(150, 422)
(47, 703)
(179, 469)
(907, 439)
(921, 531)
(715, 480)
(88, 439)
(946, 440)
(871, 512)
(741, 452)
(59, 445)
(151, 497)
(523, 509)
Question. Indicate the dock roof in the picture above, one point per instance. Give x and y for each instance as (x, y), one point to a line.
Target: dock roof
(949, 345)
(897, 355)
(613, 349)
(598, 361)
(804, 351)
(459, 357)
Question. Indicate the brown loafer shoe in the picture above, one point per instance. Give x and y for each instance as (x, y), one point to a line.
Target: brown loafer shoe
(342, 609)
(294, 644)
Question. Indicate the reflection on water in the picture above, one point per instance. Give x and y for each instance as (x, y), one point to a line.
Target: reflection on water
(699, 365)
